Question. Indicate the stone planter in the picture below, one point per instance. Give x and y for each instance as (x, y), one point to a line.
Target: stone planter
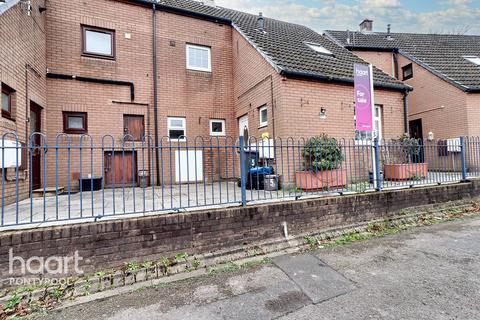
(405, 171)
(310, 180)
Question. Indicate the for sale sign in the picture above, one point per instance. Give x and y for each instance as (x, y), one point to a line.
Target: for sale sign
(363, 79)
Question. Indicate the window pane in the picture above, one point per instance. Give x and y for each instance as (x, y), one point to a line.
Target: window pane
(198, 57)
(176, 123)
(217, 126)
(5, 102)
(75, 122)
(263, 115)
(176, 134)
(98, 42)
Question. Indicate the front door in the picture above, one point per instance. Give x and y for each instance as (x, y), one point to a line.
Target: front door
(416, 132)
(35, 126)
(120, 168)
(243, 128)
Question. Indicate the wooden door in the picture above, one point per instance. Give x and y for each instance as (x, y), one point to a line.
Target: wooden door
(134, 125)
(36, 126)
(120, 168)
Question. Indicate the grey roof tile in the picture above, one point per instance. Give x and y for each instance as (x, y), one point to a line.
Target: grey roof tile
(442, 54)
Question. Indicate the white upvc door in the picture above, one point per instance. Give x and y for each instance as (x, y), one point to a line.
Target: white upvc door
(188, 165)
(242, 124)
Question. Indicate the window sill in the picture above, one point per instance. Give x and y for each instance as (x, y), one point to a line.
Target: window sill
(95, 56)
(263, 126)
(8, 116)
(75, 132)
(206, 71)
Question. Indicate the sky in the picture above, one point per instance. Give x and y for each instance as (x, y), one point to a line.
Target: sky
(420, 16)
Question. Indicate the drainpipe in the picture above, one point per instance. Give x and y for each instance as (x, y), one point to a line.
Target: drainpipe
(395, 65)
(155, 92)
(273, 108)
(405, 111)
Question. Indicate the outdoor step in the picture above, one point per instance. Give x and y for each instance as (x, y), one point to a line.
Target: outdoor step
(49, 192)
(315, 278)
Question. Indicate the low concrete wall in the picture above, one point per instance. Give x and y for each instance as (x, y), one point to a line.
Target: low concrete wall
(111, 243)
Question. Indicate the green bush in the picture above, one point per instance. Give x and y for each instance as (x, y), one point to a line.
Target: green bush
(402, 150)
(322, 153)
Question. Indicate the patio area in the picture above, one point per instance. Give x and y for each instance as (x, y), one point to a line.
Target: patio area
(124, 202)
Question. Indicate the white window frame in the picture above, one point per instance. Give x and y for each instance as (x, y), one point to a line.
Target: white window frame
(184, 128)
(264, 123)
(208, 49)
(222, 121)
(376, 133)
(319, 48)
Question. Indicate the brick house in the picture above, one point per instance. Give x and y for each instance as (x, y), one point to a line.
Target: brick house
(170, 69)
(443, 70)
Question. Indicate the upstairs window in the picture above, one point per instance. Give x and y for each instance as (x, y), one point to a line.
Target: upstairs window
(176, 128)
(473, 59)
(319, 49)
(7, 101)
(98, 42)
(75, 122)
(199, 58)
(407, 71)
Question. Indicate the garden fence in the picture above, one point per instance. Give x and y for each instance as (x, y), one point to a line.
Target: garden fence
(87, 177)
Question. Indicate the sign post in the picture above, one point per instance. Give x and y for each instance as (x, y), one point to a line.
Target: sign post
(364, 109)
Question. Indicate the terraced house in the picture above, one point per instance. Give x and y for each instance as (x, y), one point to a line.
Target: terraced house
(167, 69)
(443, 70)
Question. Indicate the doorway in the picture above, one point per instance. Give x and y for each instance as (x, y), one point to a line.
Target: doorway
(416, 132)
(243, 126)
(120, 168)
(36, 126)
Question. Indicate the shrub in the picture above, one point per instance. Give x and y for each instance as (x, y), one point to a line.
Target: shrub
(402, 150)
(322, 153)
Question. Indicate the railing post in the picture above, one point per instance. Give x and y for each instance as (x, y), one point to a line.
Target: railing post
(463, 158)
(377, 170)
(243, 171)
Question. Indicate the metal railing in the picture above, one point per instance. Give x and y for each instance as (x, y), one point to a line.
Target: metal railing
(85, 177)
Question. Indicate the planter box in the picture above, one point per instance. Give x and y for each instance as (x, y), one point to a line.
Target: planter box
(405, 171)
(308, 180)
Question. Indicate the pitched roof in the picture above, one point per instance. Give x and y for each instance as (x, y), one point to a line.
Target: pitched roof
(284, 45)
(442, 54)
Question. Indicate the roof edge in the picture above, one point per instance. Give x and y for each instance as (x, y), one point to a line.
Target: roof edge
(370, 48)
(299, 74)
(184, 12)
(258, 49)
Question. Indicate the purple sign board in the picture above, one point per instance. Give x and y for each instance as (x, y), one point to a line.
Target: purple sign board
(363, 79)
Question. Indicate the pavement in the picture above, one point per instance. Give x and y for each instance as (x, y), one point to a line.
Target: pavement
(425, 273)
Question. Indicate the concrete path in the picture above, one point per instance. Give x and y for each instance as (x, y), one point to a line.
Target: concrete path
(426, 273)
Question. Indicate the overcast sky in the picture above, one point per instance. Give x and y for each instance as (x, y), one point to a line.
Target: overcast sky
(441, 16)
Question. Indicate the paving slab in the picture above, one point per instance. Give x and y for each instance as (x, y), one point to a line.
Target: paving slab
(315, 278)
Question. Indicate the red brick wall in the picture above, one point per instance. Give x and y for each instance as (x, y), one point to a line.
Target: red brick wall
(473, 110)
(381, 60)
(215, 231)
(197, 96)
(22, 41)
(440, 105)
